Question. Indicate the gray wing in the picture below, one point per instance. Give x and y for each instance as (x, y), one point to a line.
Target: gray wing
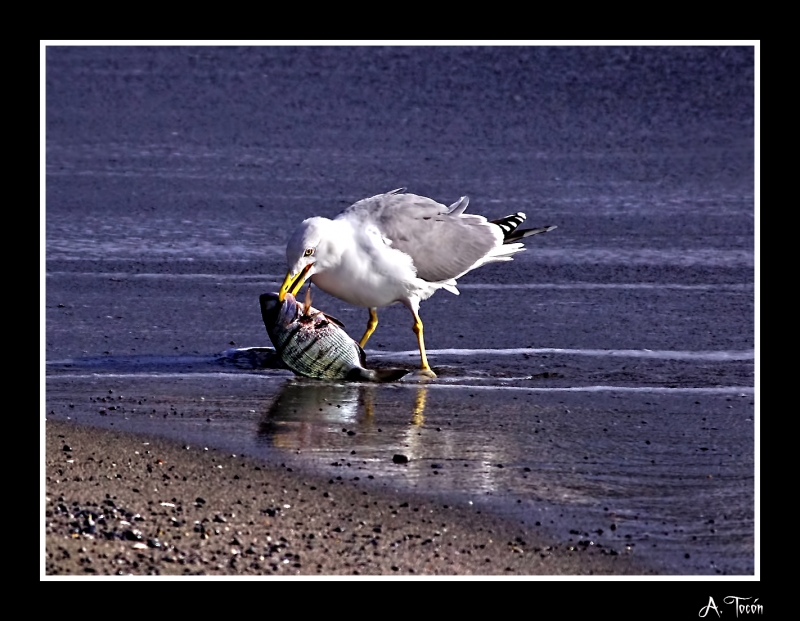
(443, 242)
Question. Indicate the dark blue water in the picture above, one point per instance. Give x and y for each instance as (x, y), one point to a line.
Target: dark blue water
(615, 359)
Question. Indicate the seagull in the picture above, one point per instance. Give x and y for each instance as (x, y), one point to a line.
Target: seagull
(398, 247)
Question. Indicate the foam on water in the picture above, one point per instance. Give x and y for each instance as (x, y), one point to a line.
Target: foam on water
(454, 383)
(628, 353)
(230, 354)
(722, 390)
(169, 375)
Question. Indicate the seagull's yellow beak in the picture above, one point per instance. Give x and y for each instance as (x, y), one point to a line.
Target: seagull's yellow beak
(293, 282)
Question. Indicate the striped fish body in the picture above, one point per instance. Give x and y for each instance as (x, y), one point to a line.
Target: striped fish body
(314, 345)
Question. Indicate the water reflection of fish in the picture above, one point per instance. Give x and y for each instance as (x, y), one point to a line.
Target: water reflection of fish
(301, 401)
(304, 413)
(314, 344)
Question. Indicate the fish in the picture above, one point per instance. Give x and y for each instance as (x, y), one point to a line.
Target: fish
(314, 344)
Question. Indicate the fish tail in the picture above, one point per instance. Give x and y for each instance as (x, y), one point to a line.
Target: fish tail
(359, 374)
(389, 375)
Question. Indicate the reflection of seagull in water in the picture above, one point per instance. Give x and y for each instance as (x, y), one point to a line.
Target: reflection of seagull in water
(398, 247)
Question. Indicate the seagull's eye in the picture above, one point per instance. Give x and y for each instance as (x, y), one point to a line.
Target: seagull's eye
(308, 252)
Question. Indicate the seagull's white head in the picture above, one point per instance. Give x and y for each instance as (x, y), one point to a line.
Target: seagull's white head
(310, 249)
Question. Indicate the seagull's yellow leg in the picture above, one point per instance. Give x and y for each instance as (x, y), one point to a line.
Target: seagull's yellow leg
(372, 323)
(426, 369)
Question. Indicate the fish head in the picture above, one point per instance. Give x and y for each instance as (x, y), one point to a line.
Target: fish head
(277, 313)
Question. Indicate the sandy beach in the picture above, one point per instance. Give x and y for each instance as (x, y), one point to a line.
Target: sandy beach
(122, 504)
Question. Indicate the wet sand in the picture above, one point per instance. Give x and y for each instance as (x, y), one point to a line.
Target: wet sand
(122, 503)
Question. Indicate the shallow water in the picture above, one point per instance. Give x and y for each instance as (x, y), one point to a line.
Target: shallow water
(614, 360)
(653, 471)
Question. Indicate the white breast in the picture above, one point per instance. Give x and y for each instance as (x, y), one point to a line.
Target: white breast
(369, 272)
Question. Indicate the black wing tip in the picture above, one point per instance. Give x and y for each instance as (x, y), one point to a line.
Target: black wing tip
(516, 235)
(509, 224)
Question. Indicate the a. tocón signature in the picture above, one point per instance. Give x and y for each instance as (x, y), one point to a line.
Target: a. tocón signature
(742, 605)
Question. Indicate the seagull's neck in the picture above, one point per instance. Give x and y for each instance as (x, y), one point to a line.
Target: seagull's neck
(336, 239)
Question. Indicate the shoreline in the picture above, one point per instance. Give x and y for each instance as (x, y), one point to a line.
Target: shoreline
(121, 503)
